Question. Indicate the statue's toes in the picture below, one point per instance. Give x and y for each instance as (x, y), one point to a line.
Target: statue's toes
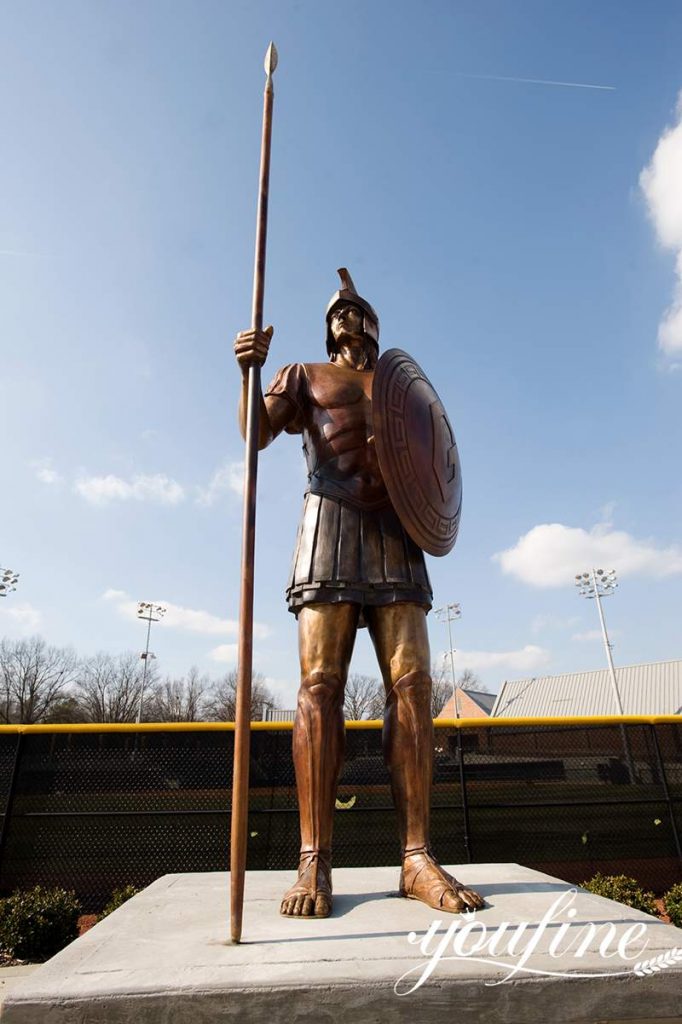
(472, 899)
(308, 908)
(305, 905)
(323, 905)
(452, 902)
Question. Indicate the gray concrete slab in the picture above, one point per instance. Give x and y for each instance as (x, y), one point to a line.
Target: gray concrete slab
(10, 976)
(164, 957)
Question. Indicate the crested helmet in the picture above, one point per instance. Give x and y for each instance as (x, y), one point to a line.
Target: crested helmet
(348, 294)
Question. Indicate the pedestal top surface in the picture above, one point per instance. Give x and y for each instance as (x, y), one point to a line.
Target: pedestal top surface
(169, 946)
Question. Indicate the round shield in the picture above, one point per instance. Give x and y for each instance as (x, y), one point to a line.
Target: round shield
(417, 452)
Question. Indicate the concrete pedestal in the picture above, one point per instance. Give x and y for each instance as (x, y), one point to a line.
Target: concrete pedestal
(164, 957)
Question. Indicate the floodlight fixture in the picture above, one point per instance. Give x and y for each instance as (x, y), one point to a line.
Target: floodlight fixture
(150, 612)
(8, 581)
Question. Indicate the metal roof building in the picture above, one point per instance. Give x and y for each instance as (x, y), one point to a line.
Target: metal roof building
(652, 689)
(277, 715)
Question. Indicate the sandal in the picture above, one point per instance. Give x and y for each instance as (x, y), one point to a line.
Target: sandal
(439, 890)
(312, 891)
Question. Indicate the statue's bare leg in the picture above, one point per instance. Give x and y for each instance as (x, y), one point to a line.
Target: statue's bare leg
(401, 641)
(326, 634)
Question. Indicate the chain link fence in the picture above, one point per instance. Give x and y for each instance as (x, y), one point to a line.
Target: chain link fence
(93, 808)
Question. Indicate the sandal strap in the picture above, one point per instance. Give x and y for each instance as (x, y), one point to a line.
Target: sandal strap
(414, 850)
(315, 859)
(310, 856)
(438, 886)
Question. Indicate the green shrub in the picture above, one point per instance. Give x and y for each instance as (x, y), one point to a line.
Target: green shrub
(118, 898)
(623, 890)
(36, 924)
(673, 904)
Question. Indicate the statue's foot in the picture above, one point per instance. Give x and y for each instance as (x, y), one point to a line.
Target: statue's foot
(311, 893)
(422, 878)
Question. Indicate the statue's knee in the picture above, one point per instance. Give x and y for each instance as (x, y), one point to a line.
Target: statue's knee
(321, 688)
(413, 687)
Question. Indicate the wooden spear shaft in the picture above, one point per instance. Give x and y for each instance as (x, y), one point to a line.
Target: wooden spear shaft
(242, 730)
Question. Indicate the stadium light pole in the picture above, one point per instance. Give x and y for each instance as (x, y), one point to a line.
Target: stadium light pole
(149, 613)
(594, 585)
(450, 613)
(8, 581)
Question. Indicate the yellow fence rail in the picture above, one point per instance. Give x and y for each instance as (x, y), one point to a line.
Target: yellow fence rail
(440, 723)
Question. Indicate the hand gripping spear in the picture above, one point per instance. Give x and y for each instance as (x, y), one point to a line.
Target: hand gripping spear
(240, 770)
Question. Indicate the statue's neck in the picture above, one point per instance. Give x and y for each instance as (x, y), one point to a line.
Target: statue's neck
(354, 355)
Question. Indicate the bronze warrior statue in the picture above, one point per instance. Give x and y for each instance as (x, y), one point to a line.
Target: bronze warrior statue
(354, 565)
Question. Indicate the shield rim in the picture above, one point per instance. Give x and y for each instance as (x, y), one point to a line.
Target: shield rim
(428, 542)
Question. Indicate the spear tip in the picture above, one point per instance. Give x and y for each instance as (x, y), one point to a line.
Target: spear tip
(270, 59)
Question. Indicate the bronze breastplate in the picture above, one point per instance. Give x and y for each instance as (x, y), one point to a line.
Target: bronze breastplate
(341, 462)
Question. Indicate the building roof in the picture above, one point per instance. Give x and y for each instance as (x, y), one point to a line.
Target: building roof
(278, 715)
(485, 702)
(651, 689)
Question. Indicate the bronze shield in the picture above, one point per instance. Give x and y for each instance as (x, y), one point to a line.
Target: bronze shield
(417, 452)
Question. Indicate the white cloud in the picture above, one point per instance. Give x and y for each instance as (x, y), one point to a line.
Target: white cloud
(594, 634)
(284, 689)
(100, 490)
(551, 554)
(225, 653)
(197, 621)
(228, 478)
(194, 620)
(660, 183)
(542, 623)
(524, 660)
(24, 617)
(45, 471)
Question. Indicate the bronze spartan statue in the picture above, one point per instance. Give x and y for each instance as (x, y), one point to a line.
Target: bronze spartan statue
(383, 485)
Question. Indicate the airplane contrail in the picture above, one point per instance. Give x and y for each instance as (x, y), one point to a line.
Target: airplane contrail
(17, 252)
(539, 81)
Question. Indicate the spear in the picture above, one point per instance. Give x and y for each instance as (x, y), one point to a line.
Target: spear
(242, 724)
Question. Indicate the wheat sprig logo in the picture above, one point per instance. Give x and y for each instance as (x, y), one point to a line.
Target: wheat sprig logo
(658, 963)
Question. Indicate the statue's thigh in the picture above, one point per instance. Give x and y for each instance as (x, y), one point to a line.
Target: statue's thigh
(326, 637)
(400, 639)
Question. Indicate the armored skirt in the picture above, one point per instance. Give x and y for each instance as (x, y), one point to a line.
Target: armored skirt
(347, 554)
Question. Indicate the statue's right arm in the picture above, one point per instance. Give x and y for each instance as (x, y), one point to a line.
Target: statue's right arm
(251, 348)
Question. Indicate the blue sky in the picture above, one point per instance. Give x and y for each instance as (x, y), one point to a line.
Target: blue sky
(503, 230)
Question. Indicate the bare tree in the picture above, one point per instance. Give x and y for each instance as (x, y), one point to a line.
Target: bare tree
(67, 710)
(364, 698)
(441, 688)
(470, 681)
(179, 700)
(108, 687)
(34, 678)
(221, 703)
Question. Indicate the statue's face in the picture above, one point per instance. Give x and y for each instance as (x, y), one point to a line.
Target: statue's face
(353, 347)
(347, 320)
